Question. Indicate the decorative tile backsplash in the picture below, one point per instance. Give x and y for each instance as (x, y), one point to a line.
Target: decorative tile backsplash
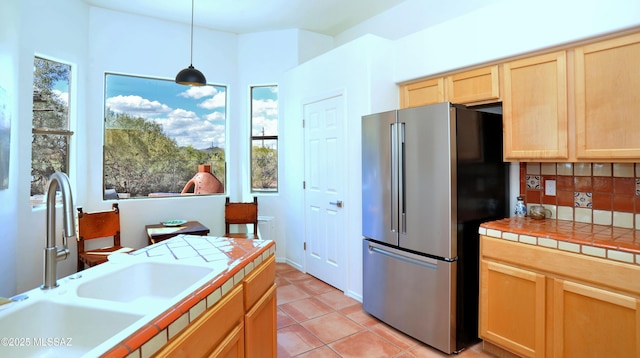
(598, 193)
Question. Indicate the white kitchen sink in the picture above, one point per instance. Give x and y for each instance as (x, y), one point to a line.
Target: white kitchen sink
(44, 328)
(144, 283)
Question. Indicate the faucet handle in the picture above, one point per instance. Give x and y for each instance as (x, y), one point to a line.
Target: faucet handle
(63, 253)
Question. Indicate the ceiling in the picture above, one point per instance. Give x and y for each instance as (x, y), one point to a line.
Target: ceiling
(329, 17)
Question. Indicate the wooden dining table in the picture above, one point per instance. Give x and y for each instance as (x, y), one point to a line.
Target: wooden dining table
(160, 232)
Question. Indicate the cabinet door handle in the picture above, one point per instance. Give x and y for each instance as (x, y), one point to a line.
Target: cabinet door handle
(336, 203)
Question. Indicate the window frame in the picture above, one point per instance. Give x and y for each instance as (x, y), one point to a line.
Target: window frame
(37, 200)
(152, 195)
(253, 138)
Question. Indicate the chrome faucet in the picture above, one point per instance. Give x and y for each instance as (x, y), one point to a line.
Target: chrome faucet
(53, 254)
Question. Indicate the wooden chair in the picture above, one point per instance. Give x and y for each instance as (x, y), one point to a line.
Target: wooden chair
(241, 213)
(96, 225)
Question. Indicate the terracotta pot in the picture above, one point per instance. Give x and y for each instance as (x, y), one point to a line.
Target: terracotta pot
(204, 182)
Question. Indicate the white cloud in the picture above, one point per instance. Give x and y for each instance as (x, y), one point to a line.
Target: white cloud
(265, 115)
(137, 106)
(217, 101)
(215, 116)
(198, 92)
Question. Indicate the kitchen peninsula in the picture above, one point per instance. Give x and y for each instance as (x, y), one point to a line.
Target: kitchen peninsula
(187, 296)
(235, 309)
(559, 288)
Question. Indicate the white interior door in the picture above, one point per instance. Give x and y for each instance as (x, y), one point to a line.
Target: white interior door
(325, 168)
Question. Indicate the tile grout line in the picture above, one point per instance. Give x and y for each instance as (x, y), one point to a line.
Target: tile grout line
(407, 351)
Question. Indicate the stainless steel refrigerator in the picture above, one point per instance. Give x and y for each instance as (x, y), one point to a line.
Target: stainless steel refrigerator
(430, 176)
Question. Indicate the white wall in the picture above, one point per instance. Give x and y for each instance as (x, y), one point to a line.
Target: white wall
(263, 58)
(356, 71)
(44, 30)
(507, 28)
(9, 14)
(411, 16)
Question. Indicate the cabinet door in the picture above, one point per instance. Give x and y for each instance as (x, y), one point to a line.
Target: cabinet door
(261, 323)
(608, 99)
(232, 346)
(512, 308)
(589, 322)
(258, 282)
(422, 93)
(209, 331)
(479, 85)
(535, 108)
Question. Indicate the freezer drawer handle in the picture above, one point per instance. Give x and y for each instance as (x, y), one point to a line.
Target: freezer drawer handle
(336, 203)
(403, 258)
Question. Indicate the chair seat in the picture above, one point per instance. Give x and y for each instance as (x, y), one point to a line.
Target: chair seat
(96, 257)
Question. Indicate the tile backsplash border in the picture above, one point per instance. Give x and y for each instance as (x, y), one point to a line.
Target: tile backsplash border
(595, 193)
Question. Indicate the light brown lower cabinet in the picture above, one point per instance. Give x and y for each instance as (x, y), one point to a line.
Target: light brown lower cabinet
(242, 324)
(591, 322)
(211, 332)
(540, 302)
(512, 308)
(260, 307)
(260, 335)
(232, 346)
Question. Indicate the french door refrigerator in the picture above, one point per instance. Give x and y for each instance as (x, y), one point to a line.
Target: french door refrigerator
(430, 176)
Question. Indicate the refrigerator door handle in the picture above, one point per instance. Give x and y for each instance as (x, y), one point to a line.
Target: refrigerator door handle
(425, 262)
(394, 177)
(402, 210)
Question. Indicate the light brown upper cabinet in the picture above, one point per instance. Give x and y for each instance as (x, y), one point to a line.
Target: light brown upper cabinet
(607, 90)
(475, 86)
(534, 106)
(422, 93)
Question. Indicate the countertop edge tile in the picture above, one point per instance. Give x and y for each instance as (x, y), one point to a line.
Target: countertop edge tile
(618, 244)
(222, 283)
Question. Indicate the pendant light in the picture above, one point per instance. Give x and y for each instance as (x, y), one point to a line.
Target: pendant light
(190, 76)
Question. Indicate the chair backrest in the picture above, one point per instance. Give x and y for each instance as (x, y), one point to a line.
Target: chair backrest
(99, 224)
(241, 213)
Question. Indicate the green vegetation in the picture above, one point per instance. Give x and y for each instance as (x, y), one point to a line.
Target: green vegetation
(140, 159)
(265, 169)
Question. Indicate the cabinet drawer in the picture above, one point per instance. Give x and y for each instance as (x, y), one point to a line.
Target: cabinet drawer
(259, 281)
(208, 331)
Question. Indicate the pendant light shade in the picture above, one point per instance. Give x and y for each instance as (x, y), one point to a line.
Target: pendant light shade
(190, 76)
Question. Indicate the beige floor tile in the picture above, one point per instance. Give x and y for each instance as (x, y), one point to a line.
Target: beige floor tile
(315, 286)
(397, 338)
(290, 293)
(294, 340)
(284, 319)
(305, 309)
(337, 300)
(321, 352)
(364, 344)
(331, 327)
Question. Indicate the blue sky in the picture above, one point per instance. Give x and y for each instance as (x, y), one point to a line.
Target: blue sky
(190, 115)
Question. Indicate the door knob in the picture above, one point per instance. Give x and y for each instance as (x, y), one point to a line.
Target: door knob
(336, 203)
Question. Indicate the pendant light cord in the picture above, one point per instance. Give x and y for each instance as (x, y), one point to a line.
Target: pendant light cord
(191, 59)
